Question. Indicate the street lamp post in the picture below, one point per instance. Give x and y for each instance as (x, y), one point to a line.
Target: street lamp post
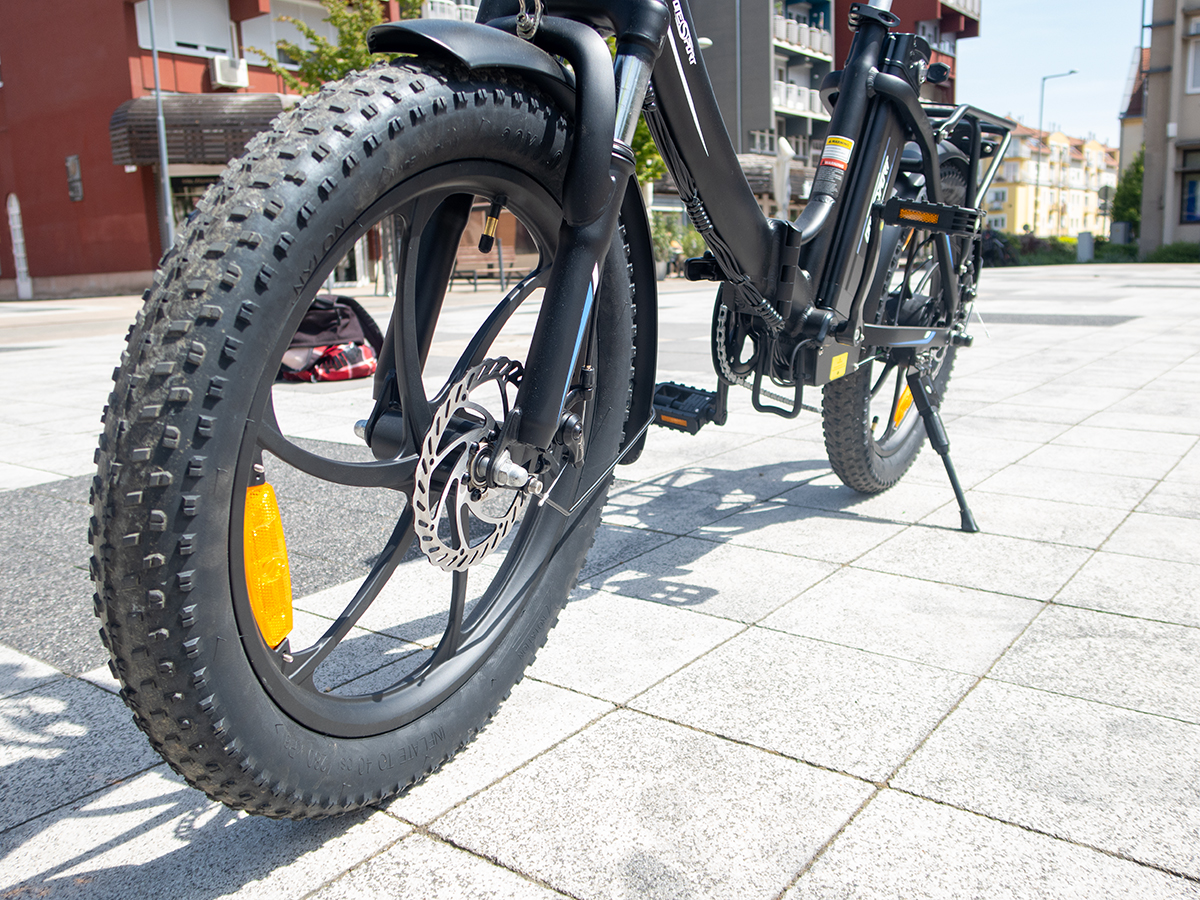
(1037, 178)
(167, 218)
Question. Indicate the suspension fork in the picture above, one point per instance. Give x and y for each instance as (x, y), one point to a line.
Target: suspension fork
(605, 122)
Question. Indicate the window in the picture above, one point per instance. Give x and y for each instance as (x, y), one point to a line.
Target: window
(999, 223)
(1193, 54)
(1189, 207)
(263, 31)
(1189, 201)
(192, 27)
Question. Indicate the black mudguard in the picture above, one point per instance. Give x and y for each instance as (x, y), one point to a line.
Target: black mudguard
(476, 47)
(479, 46)
(645, 321)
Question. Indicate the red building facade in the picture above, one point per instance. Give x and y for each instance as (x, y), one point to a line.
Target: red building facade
(941, 22)
(88, 199)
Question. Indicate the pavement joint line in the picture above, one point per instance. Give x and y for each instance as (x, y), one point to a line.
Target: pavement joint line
(1098, 702)
(1049, 834)
(966, 693)
(433, 835)
(829, 842)
(81, 799)
(1123, 615)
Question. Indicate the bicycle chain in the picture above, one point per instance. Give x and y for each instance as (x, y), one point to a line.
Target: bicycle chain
(727, 373)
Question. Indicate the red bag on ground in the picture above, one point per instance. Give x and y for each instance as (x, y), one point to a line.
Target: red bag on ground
(337, 340)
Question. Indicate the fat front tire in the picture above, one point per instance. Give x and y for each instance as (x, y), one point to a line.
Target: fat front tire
(197, 419)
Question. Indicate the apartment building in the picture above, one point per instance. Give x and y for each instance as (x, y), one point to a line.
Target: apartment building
(767, 61)
(78, 140)
(1052, 184)
(1133, 107)
(941, 22)
(1171, 189)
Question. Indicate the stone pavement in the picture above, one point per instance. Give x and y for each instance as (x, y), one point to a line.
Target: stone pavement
(765, 686)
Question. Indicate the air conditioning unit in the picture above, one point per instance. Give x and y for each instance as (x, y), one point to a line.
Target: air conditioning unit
(229, 72)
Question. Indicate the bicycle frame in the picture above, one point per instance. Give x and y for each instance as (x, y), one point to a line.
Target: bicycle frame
(813, 282)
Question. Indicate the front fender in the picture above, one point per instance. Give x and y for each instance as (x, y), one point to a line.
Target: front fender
(476, 47)
(645, 320)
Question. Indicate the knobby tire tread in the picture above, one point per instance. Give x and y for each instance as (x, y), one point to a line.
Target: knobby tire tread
(155, 469)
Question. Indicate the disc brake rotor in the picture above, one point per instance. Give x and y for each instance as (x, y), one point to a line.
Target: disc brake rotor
(445, 490)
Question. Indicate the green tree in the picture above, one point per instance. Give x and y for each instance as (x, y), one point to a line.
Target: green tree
(324, 61)
(1127, 201)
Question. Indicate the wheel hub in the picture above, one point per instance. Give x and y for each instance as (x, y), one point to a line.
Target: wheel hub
(459, 517)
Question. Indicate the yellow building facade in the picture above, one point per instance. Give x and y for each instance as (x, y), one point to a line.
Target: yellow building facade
(1051, 184)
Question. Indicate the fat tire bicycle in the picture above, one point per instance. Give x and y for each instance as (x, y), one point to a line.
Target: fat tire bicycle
(482, 470)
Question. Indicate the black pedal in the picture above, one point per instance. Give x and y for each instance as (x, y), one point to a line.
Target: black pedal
(941, 217)
(688, 409)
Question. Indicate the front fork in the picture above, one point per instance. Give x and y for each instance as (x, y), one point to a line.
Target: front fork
(587, 230)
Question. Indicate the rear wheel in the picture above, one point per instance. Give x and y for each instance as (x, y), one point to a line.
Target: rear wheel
(264, 577)
(873, 430)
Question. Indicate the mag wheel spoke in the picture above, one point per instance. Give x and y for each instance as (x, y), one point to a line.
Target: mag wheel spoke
(368, 654)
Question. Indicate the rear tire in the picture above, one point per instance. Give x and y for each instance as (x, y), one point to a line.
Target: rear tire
(873, 432)
(194, 411)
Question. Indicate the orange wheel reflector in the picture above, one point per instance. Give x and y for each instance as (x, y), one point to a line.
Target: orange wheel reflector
(902, 407)
(268, 576)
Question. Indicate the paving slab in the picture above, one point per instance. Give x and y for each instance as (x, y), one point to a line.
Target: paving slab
(988, 562)
(798, 531)
(419, 866)
(614, 647)
(1159, 537)
(1173, 498)
(655, 506)
(1050, 521)
(719, 579)
(1114, 779)
(936, 624)
(535, 718)
(153, 834)
(903, 846)
(1125, 439)
(1149, 588)
(905, 502)
(1115, 659)
(832, 706)
(1089, 488)
(656, 811)
(20, 673)
(62, 741)
(1103, 460)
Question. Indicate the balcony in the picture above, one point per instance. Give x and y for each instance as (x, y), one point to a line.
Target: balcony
(444, 9)
(808, 40)
(796, 100)
(966, 7)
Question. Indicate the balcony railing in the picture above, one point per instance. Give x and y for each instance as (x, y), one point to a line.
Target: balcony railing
(794, 98)
(805, 38)
(444, 9)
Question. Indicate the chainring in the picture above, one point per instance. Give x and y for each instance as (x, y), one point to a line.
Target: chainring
(444, 487)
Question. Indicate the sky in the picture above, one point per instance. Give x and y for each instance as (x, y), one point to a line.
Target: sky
(1022, 40)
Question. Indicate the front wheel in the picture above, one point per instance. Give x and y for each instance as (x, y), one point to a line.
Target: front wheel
(263, 577)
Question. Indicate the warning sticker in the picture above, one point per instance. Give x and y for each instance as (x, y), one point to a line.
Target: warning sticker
(838, 367)
(837, 152)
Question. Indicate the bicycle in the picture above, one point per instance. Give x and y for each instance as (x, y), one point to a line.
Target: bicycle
(497, 472)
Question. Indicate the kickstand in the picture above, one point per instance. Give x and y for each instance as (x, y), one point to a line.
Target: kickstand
(927, 401)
